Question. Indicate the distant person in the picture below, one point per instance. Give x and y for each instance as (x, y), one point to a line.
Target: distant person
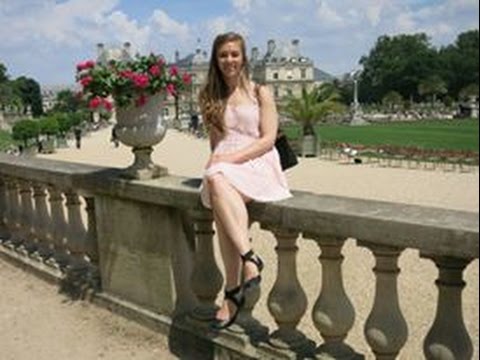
(114, 137)
(194, 123)
(78, 137)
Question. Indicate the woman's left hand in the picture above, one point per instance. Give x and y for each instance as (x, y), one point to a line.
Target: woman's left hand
(221, 158)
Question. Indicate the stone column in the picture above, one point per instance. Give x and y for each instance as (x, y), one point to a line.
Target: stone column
(386, 330)
(58, 227)
(287, 301)
(448, 338)
(13, 212)
(26, 218)
(207, 278)
(40, 220)
(76, 232)
(4, 233)
(91, 244)
(333, 313)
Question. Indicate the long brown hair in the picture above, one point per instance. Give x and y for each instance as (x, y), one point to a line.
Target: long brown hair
(213, 97)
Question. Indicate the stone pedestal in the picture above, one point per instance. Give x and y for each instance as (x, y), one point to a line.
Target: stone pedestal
(143, 255)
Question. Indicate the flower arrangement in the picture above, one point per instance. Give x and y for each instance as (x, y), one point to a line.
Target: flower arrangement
(128, 83)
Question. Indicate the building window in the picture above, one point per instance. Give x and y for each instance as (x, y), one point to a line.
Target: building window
(275, 75)
(166, 113)
(289, 92)
(276, 93)
(304, 73)
(289, 74)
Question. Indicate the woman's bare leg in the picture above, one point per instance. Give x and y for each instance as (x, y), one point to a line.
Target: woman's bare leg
(232, 265)
(232, 217)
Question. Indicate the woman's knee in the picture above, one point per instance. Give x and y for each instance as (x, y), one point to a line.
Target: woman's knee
(216, 183)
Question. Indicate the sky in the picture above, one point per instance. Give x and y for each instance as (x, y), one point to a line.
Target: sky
(45, 39)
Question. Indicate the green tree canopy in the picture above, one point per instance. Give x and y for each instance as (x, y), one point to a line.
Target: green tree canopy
(460, 62)
(48, 126)
(29, 91)
(392, 100)
(67, 101)
(3, 73)
(25, 130)
(433, 86)
(397, 63)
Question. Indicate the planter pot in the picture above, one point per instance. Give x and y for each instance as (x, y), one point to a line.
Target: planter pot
(141, 128)
(309, 146)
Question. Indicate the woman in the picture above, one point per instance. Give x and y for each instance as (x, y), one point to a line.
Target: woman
(244, 165)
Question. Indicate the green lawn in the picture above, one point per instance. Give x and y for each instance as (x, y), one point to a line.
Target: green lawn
(434, 134)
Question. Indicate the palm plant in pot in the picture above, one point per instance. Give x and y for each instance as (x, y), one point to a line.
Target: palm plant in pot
(310, 108)
(135, 90)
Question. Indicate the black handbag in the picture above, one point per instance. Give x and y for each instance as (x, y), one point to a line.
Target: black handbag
(288, 158)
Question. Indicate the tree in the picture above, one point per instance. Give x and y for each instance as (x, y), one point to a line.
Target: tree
(25, 130)
(398, 64)
(67, 101)
(313, 105)
(48, 126)
(392, 100)
(460, 62)
(433, 86)
(469, 91)
(29, 91)
(3, 73)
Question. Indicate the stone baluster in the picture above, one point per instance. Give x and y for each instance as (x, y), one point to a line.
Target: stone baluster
(41, 218)
(4, 232)
(26, 218)
(58, 226)
(448, 337)
(333, 313)
(12, 213)
(76, 232)
(207, 278)
(91, 236)
(386, 330)
(287, 301)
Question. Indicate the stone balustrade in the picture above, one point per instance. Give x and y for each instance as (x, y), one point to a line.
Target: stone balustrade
(152, 244)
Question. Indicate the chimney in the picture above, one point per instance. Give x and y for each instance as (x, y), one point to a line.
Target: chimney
(127, 51)
(296, 48)
(100, 49)
(254, 54)
(271, 47)
(177, 56)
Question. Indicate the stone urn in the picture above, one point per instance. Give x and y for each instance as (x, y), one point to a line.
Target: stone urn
(142, 127)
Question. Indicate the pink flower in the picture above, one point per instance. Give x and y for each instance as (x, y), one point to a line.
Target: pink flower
(140, 80)
(154, 70)
(107, 105)
(141, 100)
(85, 65)
(161, 62)
(86, 80)
(127, 74)
(171, 90)
(174, 70)
(95, 102)
(187, 79)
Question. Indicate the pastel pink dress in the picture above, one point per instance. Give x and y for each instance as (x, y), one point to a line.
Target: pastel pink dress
(260, 179)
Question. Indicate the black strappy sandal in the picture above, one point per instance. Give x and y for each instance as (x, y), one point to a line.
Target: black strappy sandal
(237, 297)
(253, 258)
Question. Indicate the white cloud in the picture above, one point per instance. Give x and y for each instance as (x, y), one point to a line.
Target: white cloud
(166, 26)
(243, 6)
(327, 15)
